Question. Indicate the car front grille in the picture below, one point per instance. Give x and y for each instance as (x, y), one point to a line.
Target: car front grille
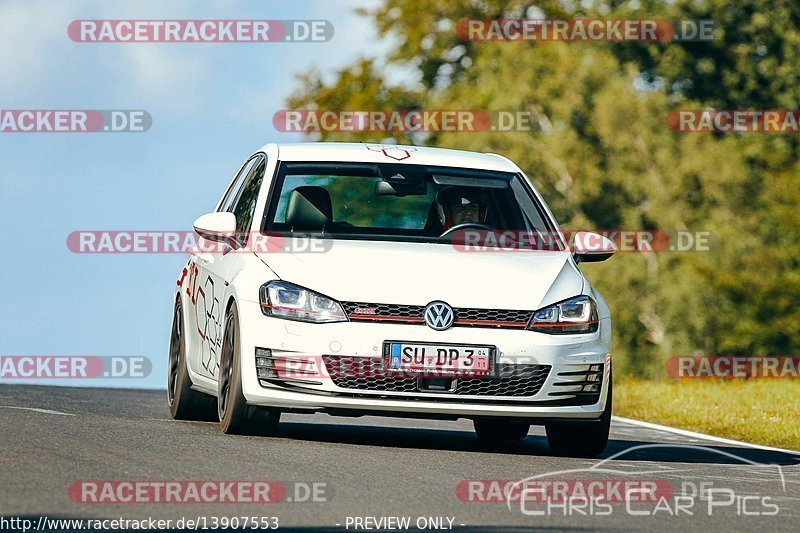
(371, 374)
(413, 314)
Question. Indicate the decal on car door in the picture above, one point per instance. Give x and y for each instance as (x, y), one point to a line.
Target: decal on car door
(208, 318)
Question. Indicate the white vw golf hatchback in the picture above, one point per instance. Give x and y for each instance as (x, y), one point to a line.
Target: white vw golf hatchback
(358, 279)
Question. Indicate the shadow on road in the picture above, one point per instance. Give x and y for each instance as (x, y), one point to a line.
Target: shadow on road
(682, 453)
(466, 441)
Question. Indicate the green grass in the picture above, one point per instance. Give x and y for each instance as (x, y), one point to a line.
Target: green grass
(759, 411)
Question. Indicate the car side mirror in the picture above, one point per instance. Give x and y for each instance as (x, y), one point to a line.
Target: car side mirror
(592, 247)
(217, 227)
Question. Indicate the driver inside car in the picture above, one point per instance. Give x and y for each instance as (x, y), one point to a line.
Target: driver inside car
(461, 205)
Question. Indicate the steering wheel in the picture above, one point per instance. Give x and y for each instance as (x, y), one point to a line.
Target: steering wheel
(465, 225)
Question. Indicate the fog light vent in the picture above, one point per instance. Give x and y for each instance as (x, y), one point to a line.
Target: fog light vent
(581, 382)
(264, 363)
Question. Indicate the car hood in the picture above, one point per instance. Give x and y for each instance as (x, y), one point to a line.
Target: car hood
(418, 273)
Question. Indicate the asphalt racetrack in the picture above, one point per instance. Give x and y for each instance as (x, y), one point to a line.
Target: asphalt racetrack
(371, 473)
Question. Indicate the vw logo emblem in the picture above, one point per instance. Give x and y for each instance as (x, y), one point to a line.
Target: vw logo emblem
(439, 316)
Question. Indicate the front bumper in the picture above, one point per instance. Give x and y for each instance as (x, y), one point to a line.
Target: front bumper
(304, 382)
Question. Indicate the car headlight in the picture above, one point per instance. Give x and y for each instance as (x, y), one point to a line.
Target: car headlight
(576, 315)
(286, 300)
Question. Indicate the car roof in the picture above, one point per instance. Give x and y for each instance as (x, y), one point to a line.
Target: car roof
(388, 153)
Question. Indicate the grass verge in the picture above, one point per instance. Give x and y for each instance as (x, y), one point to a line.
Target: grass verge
(759, 411)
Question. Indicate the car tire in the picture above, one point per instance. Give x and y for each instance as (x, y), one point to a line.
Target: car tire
(235, 415)
(582, 439)
(497, 430)
(184, 403)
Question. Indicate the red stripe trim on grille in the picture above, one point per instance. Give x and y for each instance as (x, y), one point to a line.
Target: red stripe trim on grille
(417, 320)
(379, 318)
(490, 323)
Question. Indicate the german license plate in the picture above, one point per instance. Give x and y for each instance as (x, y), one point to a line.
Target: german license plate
(440, 360)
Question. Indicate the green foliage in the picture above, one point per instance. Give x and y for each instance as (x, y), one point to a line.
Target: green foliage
(603, 156)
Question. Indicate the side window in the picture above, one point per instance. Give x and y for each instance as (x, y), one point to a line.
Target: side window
(245, 207)
(233, 191)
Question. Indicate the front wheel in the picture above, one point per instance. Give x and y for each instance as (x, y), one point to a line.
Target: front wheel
(235, 416)
(581, 439)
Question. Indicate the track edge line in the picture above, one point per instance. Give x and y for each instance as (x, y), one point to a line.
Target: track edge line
(702, 436)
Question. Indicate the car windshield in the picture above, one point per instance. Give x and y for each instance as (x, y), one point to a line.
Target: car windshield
(415, 203)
